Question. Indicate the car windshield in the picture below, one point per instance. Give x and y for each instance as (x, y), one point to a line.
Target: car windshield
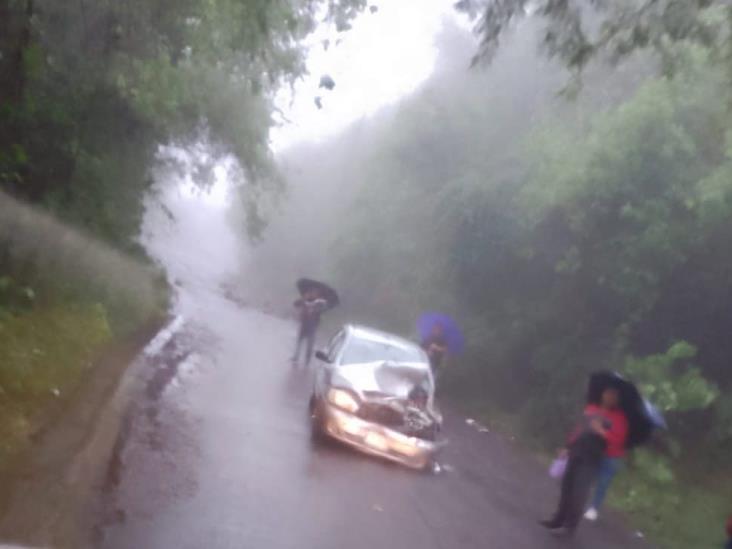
(368, 350)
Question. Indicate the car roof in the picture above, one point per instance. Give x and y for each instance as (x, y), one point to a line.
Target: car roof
(372, 334)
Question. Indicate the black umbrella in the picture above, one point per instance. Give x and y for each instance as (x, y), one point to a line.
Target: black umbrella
(643, 418)
(325, 291)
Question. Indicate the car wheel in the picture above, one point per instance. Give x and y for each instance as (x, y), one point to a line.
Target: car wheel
(316, 420)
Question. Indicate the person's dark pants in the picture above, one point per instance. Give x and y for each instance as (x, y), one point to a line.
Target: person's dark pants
(583, 467)
(307, 336)
(577, 482)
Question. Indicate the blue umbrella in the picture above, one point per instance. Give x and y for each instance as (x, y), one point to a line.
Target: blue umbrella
(450, 330)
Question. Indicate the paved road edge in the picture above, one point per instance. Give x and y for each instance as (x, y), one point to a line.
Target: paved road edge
(52, 493)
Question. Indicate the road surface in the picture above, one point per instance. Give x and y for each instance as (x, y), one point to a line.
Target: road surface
(216, 451)
(218, 455)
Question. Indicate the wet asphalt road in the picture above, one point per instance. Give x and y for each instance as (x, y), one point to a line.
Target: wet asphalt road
(218, 455)
(216, 450)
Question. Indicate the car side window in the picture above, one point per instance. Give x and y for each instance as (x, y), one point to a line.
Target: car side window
(335, 345)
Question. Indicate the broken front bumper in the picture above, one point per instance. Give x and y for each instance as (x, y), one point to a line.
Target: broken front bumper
(378, 440)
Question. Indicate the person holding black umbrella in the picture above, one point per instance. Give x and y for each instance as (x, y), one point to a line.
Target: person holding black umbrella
(642, 418)
(617, 418)
(612, 460)
(315, 298)
(604, 425)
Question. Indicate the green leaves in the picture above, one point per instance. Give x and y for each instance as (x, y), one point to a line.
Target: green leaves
(15, 297)
(671, 381)
(613, 30)
(113, 80)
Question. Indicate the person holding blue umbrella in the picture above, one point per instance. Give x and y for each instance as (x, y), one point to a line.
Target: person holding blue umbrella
(435, 345)
(440, 337)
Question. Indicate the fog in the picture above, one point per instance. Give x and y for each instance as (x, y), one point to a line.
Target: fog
(325, 179)
(568, 201)
(59, 256)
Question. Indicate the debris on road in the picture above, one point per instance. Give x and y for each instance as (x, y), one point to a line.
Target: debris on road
(481, 428)
(378, 508)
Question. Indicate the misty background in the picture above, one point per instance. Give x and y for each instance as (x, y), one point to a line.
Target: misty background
(566, 195)
(568, 233)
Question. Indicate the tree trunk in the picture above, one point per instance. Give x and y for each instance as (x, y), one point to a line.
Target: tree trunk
(24, 42)
(16, 31)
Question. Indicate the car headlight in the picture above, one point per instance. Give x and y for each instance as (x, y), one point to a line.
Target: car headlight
(343, 399)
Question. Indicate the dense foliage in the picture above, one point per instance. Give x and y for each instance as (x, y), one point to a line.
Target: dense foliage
(566, 237)
(89, 90)
(588, 239)
(577, 32)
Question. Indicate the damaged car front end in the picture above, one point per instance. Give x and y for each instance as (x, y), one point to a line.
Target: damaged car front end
(375, 392)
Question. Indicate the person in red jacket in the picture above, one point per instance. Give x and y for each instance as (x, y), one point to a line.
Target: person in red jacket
(611, 463)
(603, 429)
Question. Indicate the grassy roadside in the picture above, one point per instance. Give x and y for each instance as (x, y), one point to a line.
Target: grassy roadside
(65, 299)
(44, 354)
(688, 512)
(48, 492)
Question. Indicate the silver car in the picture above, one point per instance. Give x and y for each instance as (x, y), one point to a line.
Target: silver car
(375, 391)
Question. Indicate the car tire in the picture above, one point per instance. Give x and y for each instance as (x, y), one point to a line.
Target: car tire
(317, 433)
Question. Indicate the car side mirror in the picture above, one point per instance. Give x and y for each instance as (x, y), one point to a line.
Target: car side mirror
(321, 355)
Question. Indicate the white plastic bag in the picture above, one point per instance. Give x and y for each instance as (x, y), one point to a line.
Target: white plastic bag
(557, 468)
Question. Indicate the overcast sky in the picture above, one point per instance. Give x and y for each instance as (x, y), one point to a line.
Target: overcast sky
(386, 55)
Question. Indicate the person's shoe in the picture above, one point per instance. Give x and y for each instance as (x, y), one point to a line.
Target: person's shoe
(591, 514)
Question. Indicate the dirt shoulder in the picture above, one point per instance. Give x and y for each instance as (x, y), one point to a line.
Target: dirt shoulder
(47, 496)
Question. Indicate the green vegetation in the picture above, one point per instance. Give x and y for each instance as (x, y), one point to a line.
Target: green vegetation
(88, 93)
(568, 236)
(89, 90)
(615, 29)
(44, 353)
(63, 299)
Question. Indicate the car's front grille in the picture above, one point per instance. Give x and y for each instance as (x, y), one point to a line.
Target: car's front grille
(381, 414)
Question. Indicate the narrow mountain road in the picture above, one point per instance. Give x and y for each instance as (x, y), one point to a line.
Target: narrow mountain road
(216, 450)
(217, 454)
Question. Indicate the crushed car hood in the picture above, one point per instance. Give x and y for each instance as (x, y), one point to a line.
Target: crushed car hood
(384, 387)
(383, 379)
